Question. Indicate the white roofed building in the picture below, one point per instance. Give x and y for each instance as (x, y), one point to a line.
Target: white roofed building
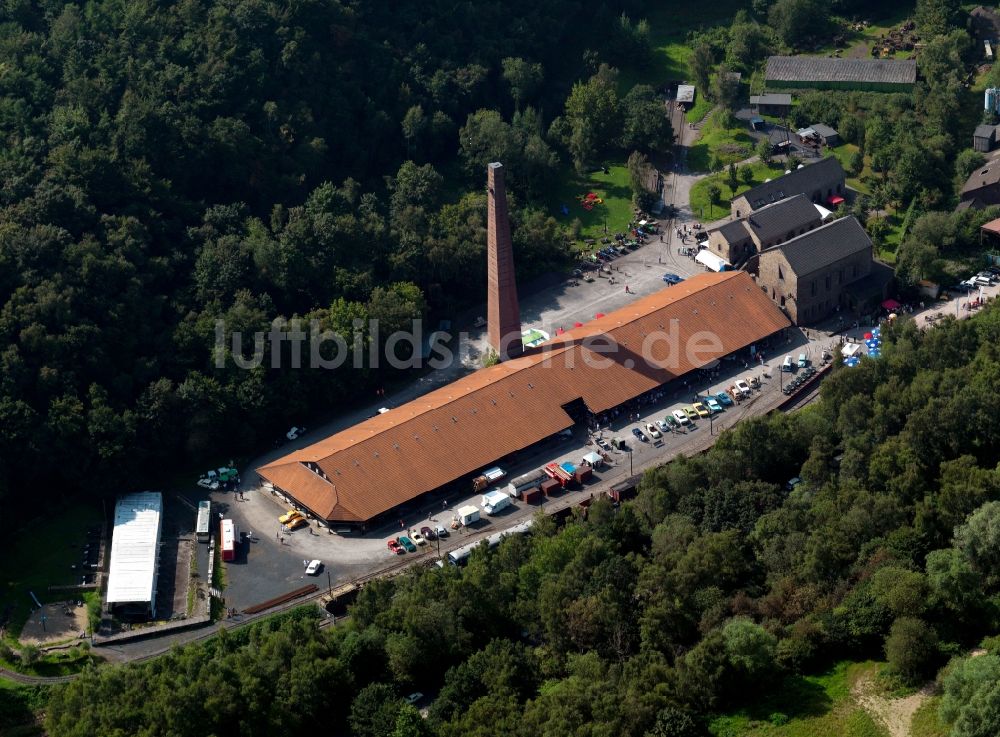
(135, 547)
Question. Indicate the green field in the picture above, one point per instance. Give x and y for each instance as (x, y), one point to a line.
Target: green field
(700, 205)
(729, 140)
(809, 706)
(613, 188)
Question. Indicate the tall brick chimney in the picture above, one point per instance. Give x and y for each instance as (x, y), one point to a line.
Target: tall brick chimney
(503, 312)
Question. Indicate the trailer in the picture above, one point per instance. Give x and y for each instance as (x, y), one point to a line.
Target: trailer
(526, 483)
(227, 536)
(467, 514)
(203, 531)
(460, 556)
(495, 501)
(488, 477)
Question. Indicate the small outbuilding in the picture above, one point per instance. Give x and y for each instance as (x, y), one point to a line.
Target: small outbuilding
(685, 96)
(775, 104)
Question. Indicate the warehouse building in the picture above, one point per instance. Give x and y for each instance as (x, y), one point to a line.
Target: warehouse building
(135, 547)
(360, 476)
(821, 72)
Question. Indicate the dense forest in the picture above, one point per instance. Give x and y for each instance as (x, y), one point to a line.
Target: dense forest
(168, 165)
(715, 586)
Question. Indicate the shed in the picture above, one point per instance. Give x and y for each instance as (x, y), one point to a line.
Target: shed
(685, 95)
(826, 134)
(984, 138)
(550, 486)
(776, 104)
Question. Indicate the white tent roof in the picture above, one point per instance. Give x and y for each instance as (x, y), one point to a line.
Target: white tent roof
(823, 212)
(135, 547)
(594, 459)
(709, 259)
(849, 349)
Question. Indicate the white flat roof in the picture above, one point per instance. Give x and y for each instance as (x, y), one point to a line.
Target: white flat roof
(134, 548)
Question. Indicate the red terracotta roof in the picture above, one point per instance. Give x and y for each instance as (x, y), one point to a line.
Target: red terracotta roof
(460, 428)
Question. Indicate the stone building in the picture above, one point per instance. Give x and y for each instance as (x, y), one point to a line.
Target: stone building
(739, 240)
(813, 275)
(820, 182)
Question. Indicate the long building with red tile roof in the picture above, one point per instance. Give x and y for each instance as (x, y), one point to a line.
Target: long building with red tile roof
(365, 471)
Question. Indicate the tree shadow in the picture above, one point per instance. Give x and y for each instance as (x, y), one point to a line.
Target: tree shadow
(796, 697)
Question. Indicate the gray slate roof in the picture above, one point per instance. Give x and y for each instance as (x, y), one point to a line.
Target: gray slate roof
(783, 217)
(733, 232)
(824, 130)
(823, 246)
(771, 98)
(988, 176)
(821, 175)
(984, 131)
(824, 69)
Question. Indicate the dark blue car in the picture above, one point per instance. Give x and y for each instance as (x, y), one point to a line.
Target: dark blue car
(672, 279)
(640, 435)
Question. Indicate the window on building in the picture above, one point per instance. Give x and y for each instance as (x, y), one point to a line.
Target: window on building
(840, 276)
(827, 279)
(854, 270)
(812, 288)
(782, 300)
(781, 274)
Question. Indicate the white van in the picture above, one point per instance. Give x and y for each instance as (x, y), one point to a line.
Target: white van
(787, 365)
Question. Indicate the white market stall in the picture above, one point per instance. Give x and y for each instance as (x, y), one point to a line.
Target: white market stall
(713, 262)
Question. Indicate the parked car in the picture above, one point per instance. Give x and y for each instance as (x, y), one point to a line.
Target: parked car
(803, 361)
(413, 698)
(672, 279)
(440, 531)
(787, 365)
(664, 427)
(418, 539)
(701, 409)
(288, 516)
(395, 547)
(742, 387)
(691, 412)
(713, 404)
(672, 421)
(639, 435)
(407, 543)
(681, 417)
(603, 444)
(653, 432)
(724, 399)
(296, 523)
(428, 533)
(313, 568)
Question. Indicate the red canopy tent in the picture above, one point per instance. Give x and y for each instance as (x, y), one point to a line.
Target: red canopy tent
(891, 304)
(598, 315)
(834, 200)
(578, 324)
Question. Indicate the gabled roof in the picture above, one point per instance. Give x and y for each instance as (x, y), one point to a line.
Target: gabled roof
(985, 131)
(821, 175)
(825, 69)
(783, 217)
(460, 428)
(988, 176)
(823, 246)
(733, 231)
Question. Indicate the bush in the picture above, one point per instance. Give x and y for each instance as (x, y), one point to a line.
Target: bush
(912, 649)
(30, 655)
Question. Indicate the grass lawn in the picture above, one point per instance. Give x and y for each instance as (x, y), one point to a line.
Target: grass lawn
(18, 705)
(844, 152)
(880, 26)
(810, 706)
(702, 106)
(40, 556)
(730, 143)
(613, 188)
(925, 720)
(700, 205)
